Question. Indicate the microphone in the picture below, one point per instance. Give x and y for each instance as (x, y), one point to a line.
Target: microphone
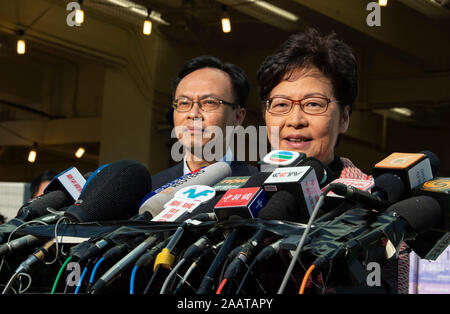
(412, 169)
(37, 256)
(412, 216)
(185, 201)
(38, 206)
(122, 264)
(282, 206)
(299, 181)
(112, 194)
(243, 202)
(386, 189)
(62, 191)
(280, 158)
(209, 176)
(71, 181)
(430, 245)
(231, 183)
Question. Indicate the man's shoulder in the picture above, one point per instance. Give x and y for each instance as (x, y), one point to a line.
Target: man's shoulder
(167, 176)
(240, 168)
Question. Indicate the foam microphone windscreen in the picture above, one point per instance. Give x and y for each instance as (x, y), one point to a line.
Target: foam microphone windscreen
(38, 206)
(112, 194)
(317, 166)
(281, 206)
(391, 186)
(257, 179)
(434, 161)
(421, 212)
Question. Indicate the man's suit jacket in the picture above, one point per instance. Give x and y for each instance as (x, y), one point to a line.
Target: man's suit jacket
(238, 168)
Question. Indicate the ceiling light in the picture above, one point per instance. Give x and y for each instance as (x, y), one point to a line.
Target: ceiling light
(139, 9)
(403, 111)
(80, 152)
(32, 154)
(382, 3)
(226, 24)
(79, 14)
(276, 10)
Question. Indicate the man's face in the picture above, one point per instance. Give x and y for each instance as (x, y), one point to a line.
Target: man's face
(42, 186)
(196, 122)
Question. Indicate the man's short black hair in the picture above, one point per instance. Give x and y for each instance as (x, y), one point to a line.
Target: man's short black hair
(239, 79)
(331, 56)
(47, 175)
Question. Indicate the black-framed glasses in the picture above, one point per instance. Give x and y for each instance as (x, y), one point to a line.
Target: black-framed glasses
(207, 104)
(312, 105)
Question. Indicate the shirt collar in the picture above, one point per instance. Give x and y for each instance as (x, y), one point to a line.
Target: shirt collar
(228, 158)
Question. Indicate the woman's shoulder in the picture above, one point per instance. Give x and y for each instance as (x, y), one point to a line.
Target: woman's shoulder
(350, 171)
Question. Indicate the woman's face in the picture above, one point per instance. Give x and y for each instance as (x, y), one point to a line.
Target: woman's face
(314, 135)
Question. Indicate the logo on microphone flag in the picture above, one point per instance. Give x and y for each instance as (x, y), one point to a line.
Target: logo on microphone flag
(280, 157)
(441, 185)
(363, 185)
(198, 193)
(244, 202)
(175, 208)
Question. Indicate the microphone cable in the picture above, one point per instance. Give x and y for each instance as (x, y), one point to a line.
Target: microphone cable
(59, 274)
(208, 280)
(83, 274)
(305, 279)
(302, 240)
(265, 253)
(198, 262)
(145, 260)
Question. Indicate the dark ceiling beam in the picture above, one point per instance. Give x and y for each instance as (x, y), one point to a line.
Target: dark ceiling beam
(401, 28)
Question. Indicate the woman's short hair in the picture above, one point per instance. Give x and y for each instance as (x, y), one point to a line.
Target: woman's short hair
(331, 56)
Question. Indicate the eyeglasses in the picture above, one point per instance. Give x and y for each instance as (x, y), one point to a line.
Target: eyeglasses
(310, 105)
(207, 104)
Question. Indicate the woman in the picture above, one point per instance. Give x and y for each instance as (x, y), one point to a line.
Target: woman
(308, 87)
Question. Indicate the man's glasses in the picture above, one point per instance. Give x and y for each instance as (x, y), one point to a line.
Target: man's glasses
(310, 105)
(207, 104)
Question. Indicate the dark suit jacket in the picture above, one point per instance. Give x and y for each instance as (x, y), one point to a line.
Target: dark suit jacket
(238, 168)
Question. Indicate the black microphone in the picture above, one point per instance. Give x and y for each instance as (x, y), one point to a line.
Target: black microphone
(414, 216)
(301, 182)
(123, 263)
(431, 244)
(387, 189)
(244, 202)
(412, 169)
(207, 284)
(113, 194)
(282, 206)
(38, 206)
(37, 256)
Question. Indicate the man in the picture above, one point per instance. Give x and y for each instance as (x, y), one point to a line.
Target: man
(208, 96)
(38, 184)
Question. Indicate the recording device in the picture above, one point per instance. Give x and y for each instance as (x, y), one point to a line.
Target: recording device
(412, 169)
(62, 191)
(154, 202)
(413, 216)
(243, 202)
(71, 181)
(231, 183)
(300, 182)
(37, 256)
(185, 201)
(113, 194)
(430, 245)
(280, 158)
(282, 206)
